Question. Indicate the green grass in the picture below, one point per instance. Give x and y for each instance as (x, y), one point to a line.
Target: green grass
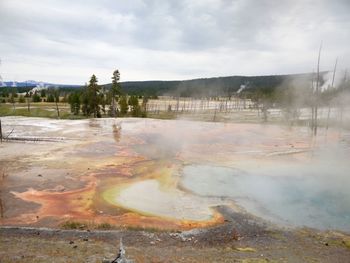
(146, 229)
(163, 115)
(86, 225)
(105, 226)
(74, 225)
(45, 110)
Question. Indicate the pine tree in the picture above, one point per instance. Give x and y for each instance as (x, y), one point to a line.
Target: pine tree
(123, 105)
(43, 93)
(57, 100)
(36, 98)
(115, 91)
(74, 102)
(50, 98)
(21, 99)
(93, 90)
(135, 107)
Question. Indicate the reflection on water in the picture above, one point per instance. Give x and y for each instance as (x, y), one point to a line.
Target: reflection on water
(292, 195)
(116, 132)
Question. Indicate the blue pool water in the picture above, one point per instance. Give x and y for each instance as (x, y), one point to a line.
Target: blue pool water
(315, 196)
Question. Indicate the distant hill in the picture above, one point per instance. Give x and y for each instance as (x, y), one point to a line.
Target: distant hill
(217, 86)
(33, 83)
(24, 86)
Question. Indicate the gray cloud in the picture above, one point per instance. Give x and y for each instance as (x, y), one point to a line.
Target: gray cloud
(66, 41)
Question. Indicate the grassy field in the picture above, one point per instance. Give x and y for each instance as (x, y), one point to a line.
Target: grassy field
(48, 110)
(39, 109)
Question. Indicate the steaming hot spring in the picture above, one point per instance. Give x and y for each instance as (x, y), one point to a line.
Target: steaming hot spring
(173, 174)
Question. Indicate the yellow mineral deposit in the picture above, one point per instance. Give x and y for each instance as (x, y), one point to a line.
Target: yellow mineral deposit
(164, 174)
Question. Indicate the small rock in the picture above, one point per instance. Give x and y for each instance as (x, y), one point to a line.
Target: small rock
(60, 188)
(152, 243)
(71, 242)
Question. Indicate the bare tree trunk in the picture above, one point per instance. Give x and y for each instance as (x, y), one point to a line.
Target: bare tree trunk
(177, 104)
(58, 110)
(28, 104)
(2, 178)
(317, 89)
(0, 132)
(113, 108)
(332, 86)
(313, 116)
(1, 208)
(312, 101)
(214, 118)
(341, 103)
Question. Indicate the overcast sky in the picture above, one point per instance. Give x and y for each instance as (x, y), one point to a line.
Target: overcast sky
(66, 41)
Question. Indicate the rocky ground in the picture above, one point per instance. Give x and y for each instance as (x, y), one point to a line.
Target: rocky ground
(240, 239)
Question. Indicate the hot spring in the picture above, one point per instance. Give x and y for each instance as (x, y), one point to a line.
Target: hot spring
(173, 174)
(315, 197)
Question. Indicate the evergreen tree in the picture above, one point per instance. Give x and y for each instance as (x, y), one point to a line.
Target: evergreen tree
(57, 100)
(74, 102)
(11, 100)
(43, 93)
(102, 100)
(91, 98)
(14, 93)
(50, 98)
(85, 102)
(21, 99)
(93, 91)
(123, 104)
(36, 98)
(144, 106)
(135, 107)
(115, 91)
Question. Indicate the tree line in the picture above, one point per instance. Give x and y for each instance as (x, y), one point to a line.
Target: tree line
(95, 100)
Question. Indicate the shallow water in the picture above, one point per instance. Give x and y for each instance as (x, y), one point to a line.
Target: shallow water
(292, 195)
(147, 197)
(169, 172)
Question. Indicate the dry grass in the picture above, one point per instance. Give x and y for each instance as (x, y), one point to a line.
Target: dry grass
(20, 249)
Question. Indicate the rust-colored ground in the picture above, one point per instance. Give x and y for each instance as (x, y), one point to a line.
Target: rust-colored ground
(49, 183)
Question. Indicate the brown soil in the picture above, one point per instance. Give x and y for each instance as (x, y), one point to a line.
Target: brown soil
(240, 239)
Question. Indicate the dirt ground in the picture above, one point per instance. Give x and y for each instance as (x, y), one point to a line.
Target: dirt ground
(239, 239)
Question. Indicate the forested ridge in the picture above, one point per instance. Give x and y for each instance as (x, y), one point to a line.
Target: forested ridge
(216, 86)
